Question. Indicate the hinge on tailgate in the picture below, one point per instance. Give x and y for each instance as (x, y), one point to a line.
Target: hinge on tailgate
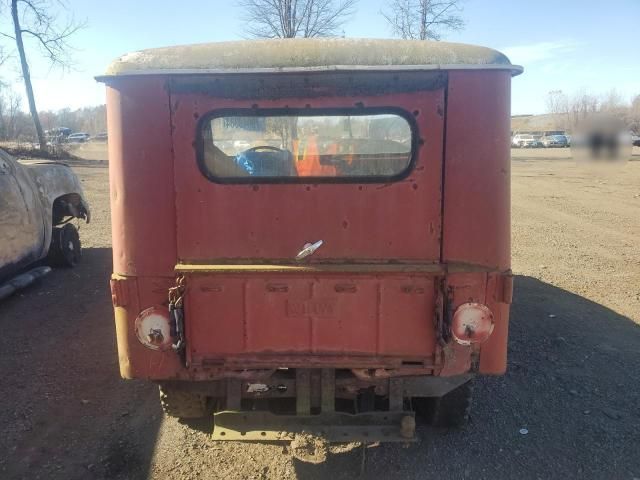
(444, 312)
(504, 287)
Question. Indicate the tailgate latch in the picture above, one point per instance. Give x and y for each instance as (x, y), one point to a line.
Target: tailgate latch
(309, 249)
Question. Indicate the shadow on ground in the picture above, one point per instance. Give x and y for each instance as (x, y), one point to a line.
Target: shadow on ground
(64, 411)
(573, 383)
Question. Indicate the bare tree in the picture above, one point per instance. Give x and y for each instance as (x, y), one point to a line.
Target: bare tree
(11, 116)
(296, 18)
(557, 102)
(583, 105)
(37, 20)
(558, 107)
(634, 115)
(423, 19)
(613, 102)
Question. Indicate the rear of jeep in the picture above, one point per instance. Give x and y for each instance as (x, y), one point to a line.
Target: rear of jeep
(306, 239)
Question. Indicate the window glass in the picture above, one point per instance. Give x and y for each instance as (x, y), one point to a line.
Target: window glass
(298, 144)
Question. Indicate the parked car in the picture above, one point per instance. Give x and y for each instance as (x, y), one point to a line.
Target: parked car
(537, 142)
(37, 200)
(78, 137)
(635, 140)
(100, 137)
(550, 141)
(523, 141)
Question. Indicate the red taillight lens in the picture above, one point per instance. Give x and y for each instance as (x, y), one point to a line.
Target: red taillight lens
(472, 323)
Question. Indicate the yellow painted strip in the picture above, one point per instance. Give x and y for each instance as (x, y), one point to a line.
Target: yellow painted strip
(351, 268)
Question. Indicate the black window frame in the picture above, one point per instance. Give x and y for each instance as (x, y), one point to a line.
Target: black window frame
(205, 120)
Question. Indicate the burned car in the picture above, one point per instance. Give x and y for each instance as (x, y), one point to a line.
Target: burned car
(38, 199)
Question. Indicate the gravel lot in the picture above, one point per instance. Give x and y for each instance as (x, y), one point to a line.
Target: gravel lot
(573, 380)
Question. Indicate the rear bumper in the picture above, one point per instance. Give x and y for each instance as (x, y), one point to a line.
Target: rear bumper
(312, 401)
(331, 427)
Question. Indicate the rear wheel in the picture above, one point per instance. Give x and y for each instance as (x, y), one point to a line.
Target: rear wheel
(65, 249)
(181, 404)
(450, 411)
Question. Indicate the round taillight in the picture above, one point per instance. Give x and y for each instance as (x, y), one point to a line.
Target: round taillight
(472, 323)
(153, 328)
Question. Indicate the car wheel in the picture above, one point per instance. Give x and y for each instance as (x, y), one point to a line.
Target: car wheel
(182, 404)
(65, 249)
(449, 411)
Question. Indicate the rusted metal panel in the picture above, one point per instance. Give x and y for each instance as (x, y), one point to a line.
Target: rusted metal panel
(493, 356)
(461, 288)
(248, 305)
(131, 296)
(354, 221)
(477, 197)
(333, 427)
(243, 87)
(120, 292)
(310, 315)
(141, 178)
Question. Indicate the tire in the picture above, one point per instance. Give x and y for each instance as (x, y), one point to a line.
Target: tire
(65, 249)
(453, 409)
(181, 404)
(449, 411)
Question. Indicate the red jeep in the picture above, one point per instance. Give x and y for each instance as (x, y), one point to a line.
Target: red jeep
(311, 234)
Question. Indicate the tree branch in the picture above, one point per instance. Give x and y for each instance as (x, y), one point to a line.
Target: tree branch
(293, 18)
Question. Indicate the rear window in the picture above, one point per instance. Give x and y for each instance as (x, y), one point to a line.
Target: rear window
(302, 145)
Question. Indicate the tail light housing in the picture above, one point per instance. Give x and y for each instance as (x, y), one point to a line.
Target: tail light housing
(153, 328)
(472, 323)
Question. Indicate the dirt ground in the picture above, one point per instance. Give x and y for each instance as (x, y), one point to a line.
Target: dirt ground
(573, 381)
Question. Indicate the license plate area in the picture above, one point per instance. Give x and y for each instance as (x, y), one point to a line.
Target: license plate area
(323, 314)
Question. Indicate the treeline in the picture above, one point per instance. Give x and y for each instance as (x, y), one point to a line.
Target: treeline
(571, 110)
(17, 125)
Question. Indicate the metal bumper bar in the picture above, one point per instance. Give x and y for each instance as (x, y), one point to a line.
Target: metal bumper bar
(332, 426)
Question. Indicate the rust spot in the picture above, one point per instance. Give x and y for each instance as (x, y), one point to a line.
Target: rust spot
(277, 287)
(119, 292)
(345, 288)
(345, 224)
(211, 288)
(412, 289)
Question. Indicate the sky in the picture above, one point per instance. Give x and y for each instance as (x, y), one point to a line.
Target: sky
(575, 46)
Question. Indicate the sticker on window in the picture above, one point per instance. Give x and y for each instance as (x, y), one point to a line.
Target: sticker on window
(286, 145)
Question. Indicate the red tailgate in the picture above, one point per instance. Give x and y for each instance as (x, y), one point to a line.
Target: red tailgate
(395, 223)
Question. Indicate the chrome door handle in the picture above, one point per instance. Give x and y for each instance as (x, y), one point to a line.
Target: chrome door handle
(309, 249)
